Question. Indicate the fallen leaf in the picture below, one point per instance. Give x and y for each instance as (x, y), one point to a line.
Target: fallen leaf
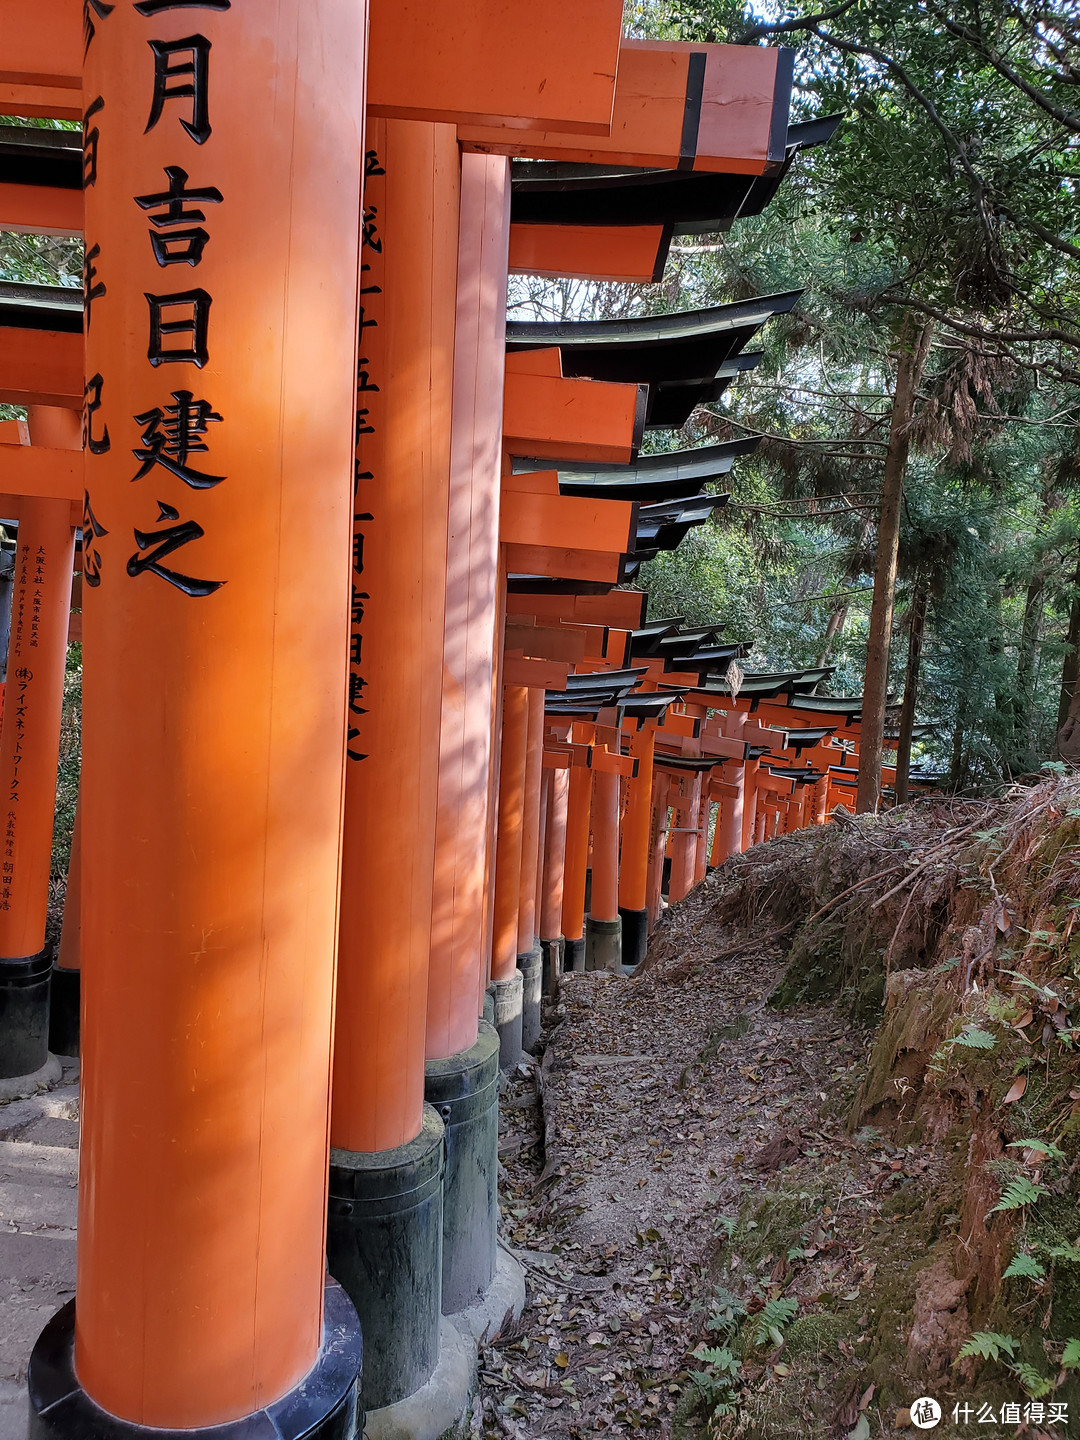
(867, 1396)
(903, 1419)
(1025, 1019)
(862, 1429)
(562, 1360)
(1016, 1090)
(781, 1370)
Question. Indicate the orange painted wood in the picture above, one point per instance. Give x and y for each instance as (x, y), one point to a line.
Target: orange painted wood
(629, 253)
(637, 824)
(549, 642)
(42, 471)
(30, 738)
(490, 847)
(684, 837)
(610, 762)
(510, 832)
(552, 520)
(43, 43)
(604, 903)
(458, 910)
(40, 210)
(530, 822)
(657, 844)
(576, 861)
(647, 126)
(554, 853)
(41, 367)
(546, 361)
(213, 720)
(625, 608)
(571, 419)
(534, 482)
(537, 674)
(564, 563)
(396, 661)
(496, 62)
(41, 101)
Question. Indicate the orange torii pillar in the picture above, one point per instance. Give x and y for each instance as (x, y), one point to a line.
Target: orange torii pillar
(636, 846)
(701, 855)
(576, 864)
(462, 1069)
(751, 770)
(505, 975)
(386, 1165)
(29, 751)
(820, 802)
(530, 960)
(220, 404)
(658, 838)
(684, 840)
(551, 909)
(603, 927)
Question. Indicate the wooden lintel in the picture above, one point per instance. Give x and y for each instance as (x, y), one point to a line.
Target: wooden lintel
(564, 563)
(536, 674)
(41, 367)
(35, 471)
(623, 608)
(557, 760)
(545, 642)
(572, 419)
(609, 762)
(623, 253)
(40, 210)
(559, 520)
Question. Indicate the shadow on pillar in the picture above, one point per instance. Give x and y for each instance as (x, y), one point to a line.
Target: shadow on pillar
(603, 945)
(635, 936)
(324, 1406)
(531, 966)
(574, 954)
(464, 1090)
(665, 883)
(64, 997)
(384, 1247)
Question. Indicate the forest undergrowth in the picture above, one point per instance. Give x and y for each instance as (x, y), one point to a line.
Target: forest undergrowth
(821, 1157)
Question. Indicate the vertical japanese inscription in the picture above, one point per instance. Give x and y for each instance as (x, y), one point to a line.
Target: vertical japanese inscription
(371, 271)
(176, 429)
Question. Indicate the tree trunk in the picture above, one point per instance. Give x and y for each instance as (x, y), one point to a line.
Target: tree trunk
(913, 347)
(832, 629)
(1070, 669)
(1023, 757)
(919, 602)
(956, 759)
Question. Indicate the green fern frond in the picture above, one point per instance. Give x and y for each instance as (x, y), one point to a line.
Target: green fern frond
(1025, 1267)
(1017, 1194)
(770, 1322)
(1070, 1359)
(1044, 1147)
(974, 1038)
(988, 1345)
(1035, 1383)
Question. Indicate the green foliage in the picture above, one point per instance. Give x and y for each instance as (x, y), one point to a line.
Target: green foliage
(1042, 1147)
(1018, 1194)
(1070, 1358)
(770, 1322)
(1034, 1382)
(1025, 1267)
(974, 1038)
(988, 1345)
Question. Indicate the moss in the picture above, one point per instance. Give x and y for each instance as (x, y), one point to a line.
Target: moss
(817, 1333)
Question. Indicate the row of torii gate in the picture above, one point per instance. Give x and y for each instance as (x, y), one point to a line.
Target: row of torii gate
(376, 734)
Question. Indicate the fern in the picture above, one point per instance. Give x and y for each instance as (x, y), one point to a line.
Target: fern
(769, 1323)
(1069, 1253)
(722, 1360)
(1025, 1267)
(1017, 1194)
(1035, 1383)
(1070, 1359)
(1043, 1147)
(988, 1345)
(974, 1038)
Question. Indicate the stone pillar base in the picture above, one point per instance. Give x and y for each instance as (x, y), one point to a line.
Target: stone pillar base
(384, 1246)
(553, 963)
(508, 1019)
(635, 936)
(64, 993)
(574, 954)
(488, 1012)
(324, 1406)
(24, 1014)
(603, 945)
(531, 965)
(464, 1090)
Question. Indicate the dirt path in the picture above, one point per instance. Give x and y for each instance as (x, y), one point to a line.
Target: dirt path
(667, 1101)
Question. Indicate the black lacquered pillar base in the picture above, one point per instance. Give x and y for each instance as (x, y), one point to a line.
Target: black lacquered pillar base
(324, 1406)
(384, 1245)
(507, 1019)
(574, 954)
(635, 935)
(603, 945)
(465, 1091)
(64, 993)
(531, 966)
(24, 1014)
(553, 963)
